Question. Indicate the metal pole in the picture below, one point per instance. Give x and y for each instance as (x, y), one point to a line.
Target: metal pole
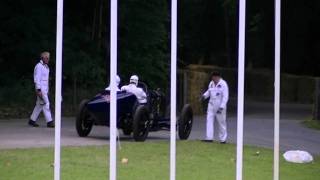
(113, 93)
(173, 92)
(57, 136)
(277, 89)
(241, 72)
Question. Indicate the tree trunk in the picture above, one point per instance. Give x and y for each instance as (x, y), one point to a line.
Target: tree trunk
(316, 109)
(227, 38)
(100, 24)
(74, 108)
(94, 20)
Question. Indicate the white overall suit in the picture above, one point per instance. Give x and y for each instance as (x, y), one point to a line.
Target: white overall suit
(219, 95)
(41, 81)
(140, 94)
(117, 82)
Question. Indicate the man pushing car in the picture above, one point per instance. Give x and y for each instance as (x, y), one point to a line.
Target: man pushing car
(133, 88)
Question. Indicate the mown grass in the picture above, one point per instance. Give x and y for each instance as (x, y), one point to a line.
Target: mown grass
(150, 161)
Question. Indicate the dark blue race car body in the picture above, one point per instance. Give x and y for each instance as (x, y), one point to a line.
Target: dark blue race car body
(99, 106)
(132, 117)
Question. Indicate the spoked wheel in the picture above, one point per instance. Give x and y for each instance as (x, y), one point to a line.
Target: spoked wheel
(141, 123)
(84, 121)
(185, 122)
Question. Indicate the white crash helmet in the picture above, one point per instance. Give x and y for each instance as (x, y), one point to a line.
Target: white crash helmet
(134, 79)
(118, 80)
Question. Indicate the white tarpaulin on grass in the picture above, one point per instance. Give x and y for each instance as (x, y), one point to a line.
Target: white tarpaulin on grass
(298, 156)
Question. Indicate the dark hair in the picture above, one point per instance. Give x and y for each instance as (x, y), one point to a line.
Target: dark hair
(215, 73)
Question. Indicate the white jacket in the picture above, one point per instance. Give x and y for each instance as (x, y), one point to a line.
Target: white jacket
(138, 92)
(218, 94)
(41, 77)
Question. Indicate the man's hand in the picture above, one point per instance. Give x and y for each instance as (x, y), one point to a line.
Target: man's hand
(219, 110)
(39, 93)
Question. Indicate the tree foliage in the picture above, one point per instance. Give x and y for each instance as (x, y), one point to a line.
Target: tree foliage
(207, 35)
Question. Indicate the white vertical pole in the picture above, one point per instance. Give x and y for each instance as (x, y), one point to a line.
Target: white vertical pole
(113, 93)
(57, 137)
(173, 92)
(241, 70)
(277, 89)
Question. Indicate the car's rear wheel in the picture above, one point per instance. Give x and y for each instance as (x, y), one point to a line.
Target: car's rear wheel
(84, 121)
(185, 122)
(141, 123)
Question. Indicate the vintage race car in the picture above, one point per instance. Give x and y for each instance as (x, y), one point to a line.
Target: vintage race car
(132, 117)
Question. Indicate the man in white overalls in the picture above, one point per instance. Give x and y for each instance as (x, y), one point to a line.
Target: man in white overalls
(117, 82)
(41, 81)
(218, 92)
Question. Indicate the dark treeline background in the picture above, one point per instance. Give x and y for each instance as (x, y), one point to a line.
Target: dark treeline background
(207, 35)
(209, 31)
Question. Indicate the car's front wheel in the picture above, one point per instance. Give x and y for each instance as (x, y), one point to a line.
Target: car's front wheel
(185, 122)
(141, 123)
(84, 121)
(127, 127)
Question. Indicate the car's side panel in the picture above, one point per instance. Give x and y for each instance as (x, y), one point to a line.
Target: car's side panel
(99, 106)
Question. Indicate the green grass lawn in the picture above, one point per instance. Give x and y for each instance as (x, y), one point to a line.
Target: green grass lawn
(313, 124)
(150, 161)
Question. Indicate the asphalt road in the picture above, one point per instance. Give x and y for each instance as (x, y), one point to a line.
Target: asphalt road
(258, 130)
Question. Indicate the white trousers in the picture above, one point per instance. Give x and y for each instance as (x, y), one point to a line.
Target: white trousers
(212, 115)
(43, 105)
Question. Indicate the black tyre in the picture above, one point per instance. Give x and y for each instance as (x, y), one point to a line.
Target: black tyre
(127, 127)
(127, 131)
(84, 121)
(185, 122)
(141, 123)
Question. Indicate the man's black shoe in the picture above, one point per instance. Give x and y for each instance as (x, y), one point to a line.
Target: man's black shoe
(33, 123)
(223, 142)
(207, 140)
(50, 124)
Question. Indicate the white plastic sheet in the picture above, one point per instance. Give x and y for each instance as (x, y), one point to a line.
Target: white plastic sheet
(298, 156)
